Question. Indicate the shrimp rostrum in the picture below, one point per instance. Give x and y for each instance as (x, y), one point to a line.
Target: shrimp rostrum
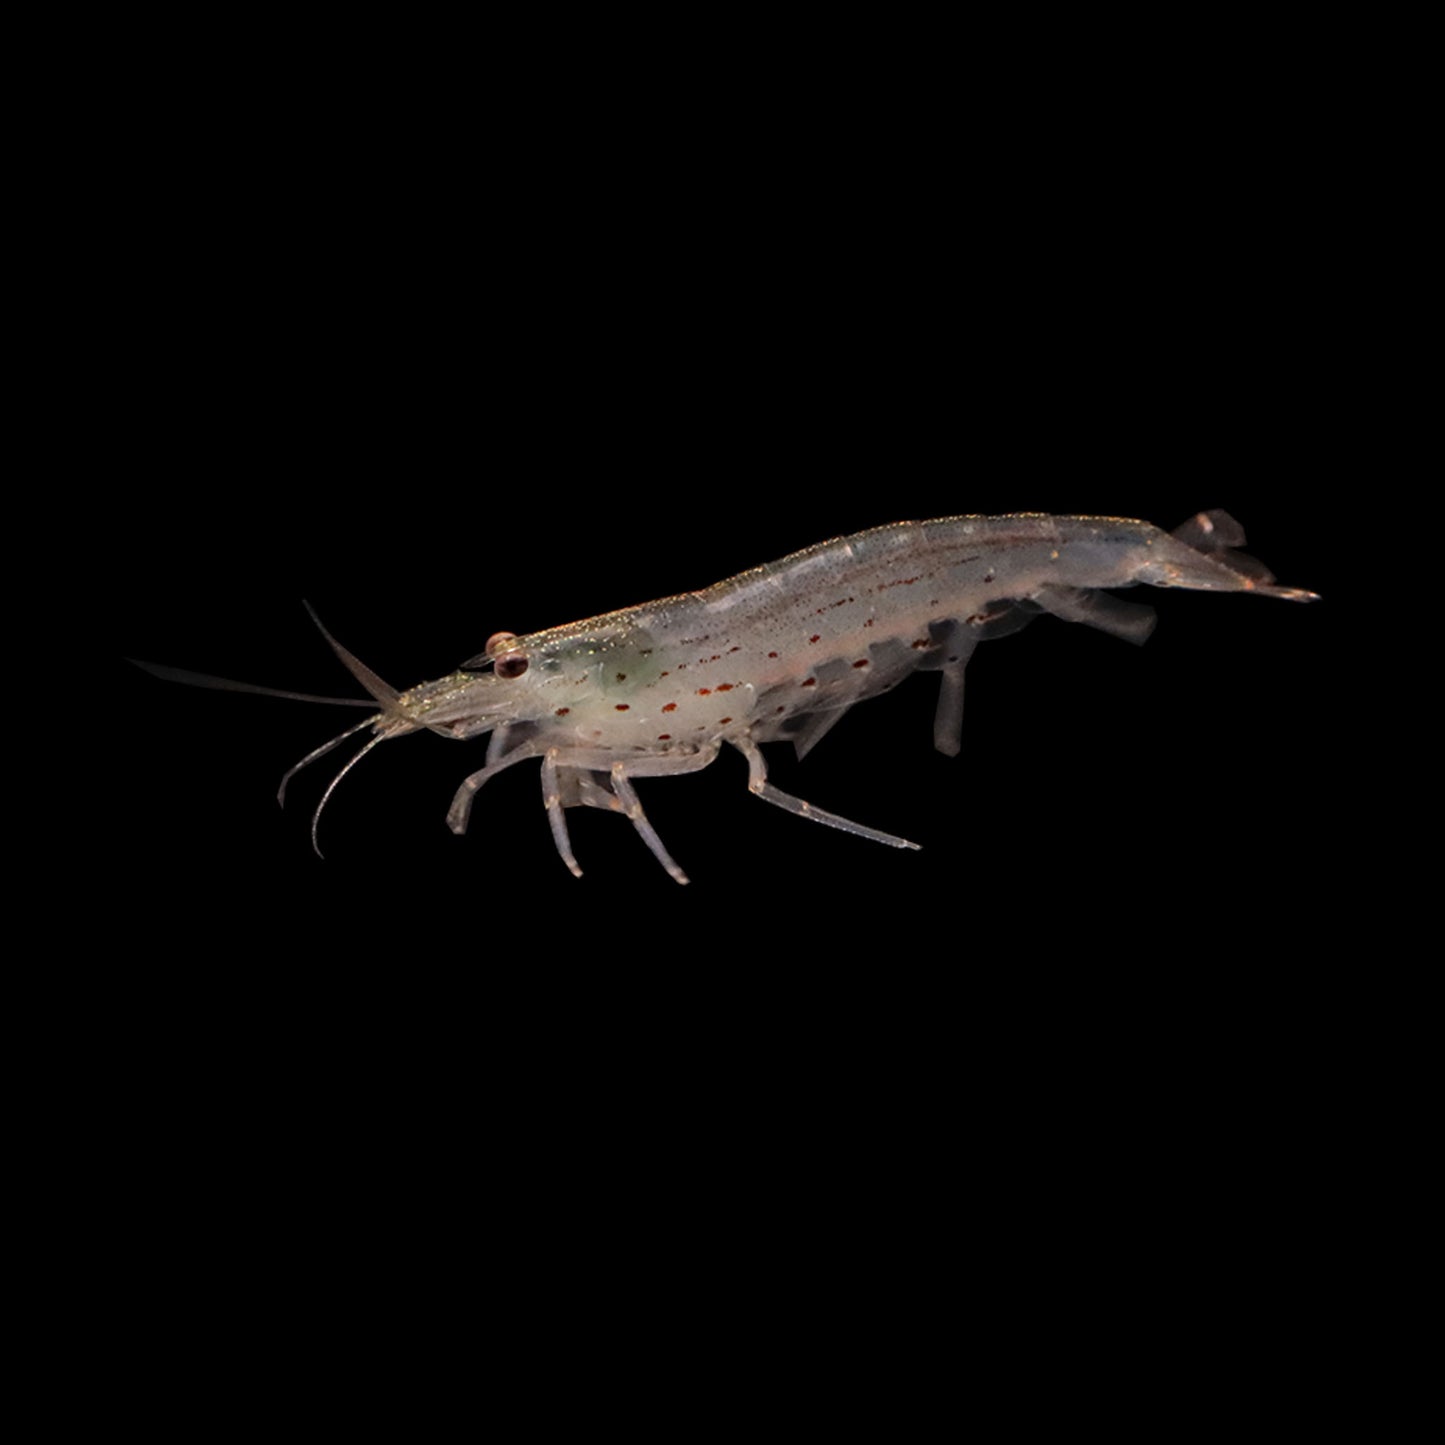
(779, 653)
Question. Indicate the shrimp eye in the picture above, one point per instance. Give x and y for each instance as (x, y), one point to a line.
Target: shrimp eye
(508, 664)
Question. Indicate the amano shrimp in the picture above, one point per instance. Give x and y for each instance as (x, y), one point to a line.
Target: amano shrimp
(777, 653)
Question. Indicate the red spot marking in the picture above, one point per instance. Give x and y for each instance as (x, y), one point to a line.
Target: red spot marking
(811, 682)
(862, 662)
(735, 649)
(680, 667)
(724, 687)
(704, 692)
(662, 674)
(868, 622)
(563, 711)
(664, 737)
(622, 677)
(724, 722)
(814, 637)
(623, 707)
(715, 657)
(922, 642)
(772, 654)
(669, 707)
(779, 708)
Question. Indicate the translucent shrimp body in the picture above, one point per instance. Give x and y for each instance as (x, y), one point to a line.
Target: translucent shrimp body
(780, 652)
(784, 650)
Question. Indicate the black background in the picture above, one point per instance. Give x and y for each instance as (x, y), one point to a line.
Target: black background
(442, 391)
(445, 365)
(451, 415)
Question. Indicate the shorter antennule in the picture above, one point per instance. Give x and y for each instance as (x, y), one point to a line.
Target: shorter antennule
(383, 692)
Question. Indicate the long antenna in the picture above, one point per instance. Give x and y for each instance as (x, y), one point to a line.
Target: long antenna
(227, 684)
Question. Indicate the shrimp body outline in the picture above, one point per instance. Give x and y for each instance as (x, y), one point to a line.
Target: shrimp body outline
(779, 652)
